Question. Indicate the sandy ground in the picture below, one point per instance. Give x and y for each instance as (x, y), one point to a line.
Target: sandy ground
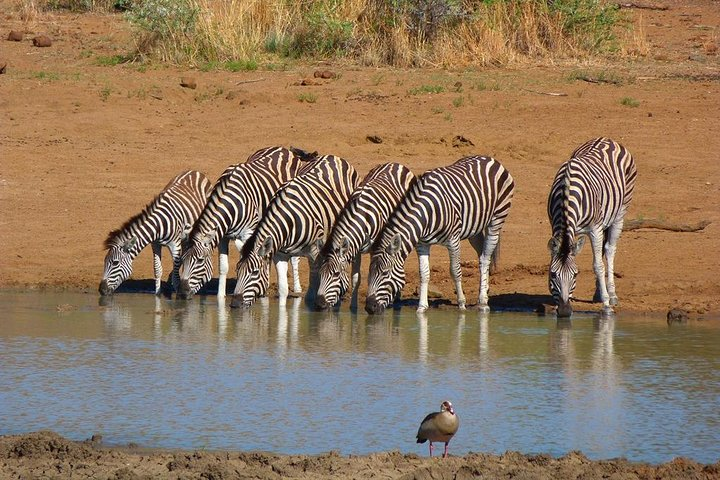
(84, 146)
(48, 455)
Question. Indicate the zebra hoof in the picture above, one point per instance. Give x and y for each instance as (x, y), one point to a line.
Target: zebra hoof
(608, 310)
(614, 300)
(422, 309)
(482, 308)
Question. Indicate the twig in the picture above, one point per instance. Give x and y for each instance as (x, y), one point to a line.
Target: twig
(249, 81)
(664, 225)
(552, 94)
(641, 6)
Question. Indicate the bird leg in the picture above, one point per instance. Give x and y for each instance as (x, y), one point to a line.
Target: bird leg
(431, 449)
(446, 450)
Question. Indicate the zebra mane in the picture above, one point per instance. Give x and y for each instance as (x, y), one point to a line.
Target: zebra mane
(392, 219)
(565, 233)
(116, 235)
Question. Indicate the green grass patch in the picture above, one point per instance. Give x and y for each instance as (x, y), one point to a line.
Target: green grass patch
(630, 102)
(111, 61)
(458, 102)
(308, 97)
(46, 76)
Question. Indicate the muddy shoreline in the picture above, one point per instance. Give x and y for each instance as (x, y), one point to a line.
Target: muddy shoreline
(48, 455)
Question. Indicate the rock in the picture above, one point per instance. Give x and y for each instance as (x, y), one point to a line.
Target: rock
(3, 67)
(305, 82)
(15, 36)
(188, 82)
(677, 315)
(374, 139)
(42, 41)
(460, 141)
(324, 74)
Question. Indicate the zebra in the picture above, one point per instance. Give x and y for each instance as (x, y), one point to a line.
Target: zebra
(297, 222)
(234, 208)
(356, 229)
(469, 199)
(589, 197)
(166, 221)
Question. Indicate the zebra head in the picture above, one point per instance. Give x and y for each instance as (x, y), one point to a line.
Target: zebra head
(334, 280)
(387, 275)
(196, 267)
(118, 265)
(563, 272)
(253, 275)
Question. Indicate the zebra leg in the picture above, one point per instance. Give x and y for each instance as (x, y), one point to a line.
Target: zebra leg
(157, 266)
(612, 237)
(601, 293)
(223, 266)
(281, 266)
(423, 252)
(355, 282)
(484, 246)
(175, 252)
(297, 288)
(456, 272)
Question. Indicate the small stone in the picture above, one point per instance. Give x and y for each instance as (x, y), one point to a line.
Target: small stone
(3, 67)
(42, 41)
(650, 114)
(460, 141)
(188, 82)
(97, 438)
(15, 36)
(374, 139)
(324, 74)
(677, 315)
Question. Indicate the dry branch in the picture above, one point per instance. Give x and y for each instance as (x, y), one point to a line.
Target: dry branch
(664, 225)
(552, 94)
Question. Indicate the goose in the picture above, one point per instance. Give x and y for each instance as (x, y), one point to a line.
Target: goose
(439, 427)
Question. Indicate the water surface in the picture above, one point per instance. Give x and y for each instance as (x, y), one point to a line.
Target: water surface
(162, 373)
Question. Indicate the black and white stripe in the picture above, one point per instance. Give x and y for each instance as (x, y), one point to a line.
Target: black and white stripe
(468, 199)
(357, 227)
(297, 222)
(236, 204)
(589, 196)
(166, 221)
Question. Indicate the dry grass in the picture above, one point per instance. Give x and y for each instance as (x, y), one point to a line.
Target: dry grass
(374, 32)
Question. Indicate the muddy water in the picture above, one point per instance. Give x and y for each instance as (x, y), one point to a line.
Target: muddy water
(162, 373)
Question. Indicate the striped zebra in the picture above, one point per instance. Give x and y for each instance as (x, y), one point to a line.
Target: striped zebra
(589, 196)
(166, 221)
(356, 229)
(468, 199)
(297, 222)
(233, 210)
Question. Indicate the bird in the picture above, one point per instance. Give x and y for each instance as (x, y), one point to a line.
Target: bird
(439, 427)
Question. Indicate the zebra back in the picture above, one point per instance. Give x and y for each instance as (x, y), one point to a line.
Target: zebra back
(369, 208)
(451, 203)
(243, 192)
(169, 216)
(591, 189)
(299, 215)
(165, 221)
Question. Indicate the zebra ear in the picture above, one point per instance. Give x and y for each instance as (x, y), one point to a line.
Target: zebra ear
(344, 246)
(206, 240)
(394, 246)
(578, 245)
(266, 247)
(130, 244)
(554, 245)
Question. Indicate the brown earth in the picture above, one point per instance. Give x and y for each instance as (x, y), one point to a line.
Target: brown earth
(84, 146)
(48, 455)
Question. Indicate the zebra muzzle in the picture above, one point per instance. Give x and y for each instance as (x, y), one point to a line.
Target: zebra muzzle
(373, 307)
